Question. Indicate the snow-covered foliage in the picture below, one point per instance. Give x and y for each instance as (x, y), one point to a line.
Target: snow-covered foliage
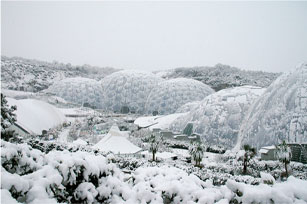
(168, 96)
(83, 91)
(33, 75)
(36, 116)
(8, 117)
(218, 117)
(222, 76)
(128, 89)
(78, 176)
(291, 191)
(280, 113)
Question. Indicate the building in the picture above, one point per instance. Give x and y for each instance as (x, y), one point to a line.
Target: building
(268, 153)
(116, 141)
(299, 152)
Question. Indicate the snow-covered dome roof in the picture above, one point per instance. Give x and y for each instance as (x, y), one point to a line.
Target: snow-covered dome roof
(188, 107)
(281, 112)
(169, 95)
(79, 90)
(128, 89)
(218, 117)
(36, 116)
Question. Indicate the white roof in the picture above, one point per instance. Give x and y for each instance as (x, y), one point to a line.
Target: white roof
(116, 142)
(36, 116)
(266, 149)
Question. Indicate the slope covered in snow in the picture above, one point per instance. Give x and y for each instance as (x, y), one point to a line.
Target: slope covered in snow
(128, 89)
(33, 75)
(280, 113)
(36, 116)
(169, 95)
(222, 76)
(218, 117)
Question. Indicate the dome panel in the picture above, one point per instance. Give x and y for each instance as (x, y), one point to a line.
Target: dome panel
(217, 118)
(169, 95)
(128, 88)
(78, 90)
(280, 114)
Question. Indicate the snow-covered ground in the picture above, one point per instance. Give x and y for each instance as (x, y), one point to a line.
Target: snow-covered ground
(83, 177)
(160, 121)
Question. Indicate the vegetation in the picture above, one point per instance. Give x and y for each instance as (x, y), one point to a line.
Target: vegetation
(8, 117)
(283, 153)
(249, 153)
(197, 152)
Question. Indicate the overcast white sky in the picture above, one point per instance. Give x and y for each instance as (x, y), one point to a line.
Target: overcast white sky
(269, 36)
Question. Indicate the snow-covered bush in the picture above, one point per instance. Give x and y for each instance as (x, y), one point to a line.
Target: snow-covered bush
(59, 176)
(8, 117)
(283, 153)
(292, 191)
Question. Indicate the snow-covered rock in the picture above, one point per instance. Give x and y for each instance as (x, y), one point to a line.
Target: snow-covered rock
(169, 95)
(218, 117)
(280, 113)
(78, 90)
(128, 89)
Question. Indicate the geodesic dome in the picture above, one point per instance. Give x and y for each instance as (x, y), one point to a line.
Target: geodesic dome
(78, 90)
(169, 95)
(128, 90)
(188, 107)
(280, 113)
(218, 117)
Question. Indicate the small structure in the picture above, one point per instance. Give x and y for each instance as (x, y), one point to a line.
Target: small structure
(268, 153)
(116, 141)
(299, 152)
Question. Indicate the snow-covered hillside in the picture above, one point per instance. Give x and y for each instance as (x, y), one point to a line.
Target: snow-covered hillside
(33, 75)
(222, 76)
(280, 113)
(218, 117)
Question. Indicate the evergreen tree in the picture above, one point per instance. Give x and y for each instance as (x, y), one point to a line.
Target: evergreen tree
(8, 117)
(283, 153)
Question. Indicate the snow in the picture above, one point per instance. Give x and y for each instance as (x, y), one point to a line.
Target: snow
(7, 198)
(63, 135)
(160, 155)
(83, 177)
(218, 117)
(116, 142)
(162, 121)
(80, 142)
(169, 95)
(280, 113)
(36, 116)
